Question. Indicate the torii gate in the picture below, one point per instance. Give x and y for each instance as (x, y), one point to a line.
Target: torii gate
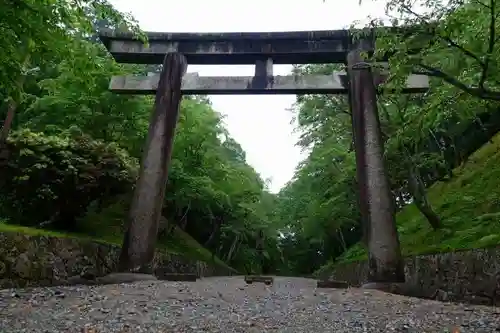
(176, 50)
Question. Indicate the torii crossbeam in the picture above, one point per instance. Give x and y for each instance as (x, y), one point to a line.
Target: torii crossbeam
(234, 48)
(176, 50)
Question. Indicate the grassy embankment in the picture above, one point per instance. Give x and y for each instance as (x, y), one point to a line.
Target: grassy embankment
(468, 204)
(106, 227)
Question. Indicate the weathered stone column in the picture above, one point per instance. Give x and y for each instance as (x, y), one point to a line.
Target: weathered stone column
(376, 203)
(138, 248)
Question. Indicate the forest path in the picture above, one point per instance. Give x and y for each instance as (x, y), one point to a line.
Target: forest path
(228, 304)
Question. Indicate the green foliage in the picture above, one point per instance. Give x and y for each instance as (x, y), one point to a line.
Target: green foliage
(36, 33)
(108, 224)
(52, 179)
(469, 205)
(73, 153)
(451, 40)
(75, 145)
(426, 138)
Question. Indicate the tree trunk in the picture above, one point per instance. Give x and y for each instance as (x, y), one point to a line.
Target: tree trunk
(385, 261)
(183, 221)
(259, 247)
(7, 124)
(233, 247)
(417, 189)
(342, 240)
(4, 132)
(215, 230)
(430, 215)
(11, 112)
(13, 103)
(138, 248)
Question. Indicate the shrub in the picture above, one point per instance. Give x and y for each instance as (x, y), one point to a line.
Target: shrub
(50, 179)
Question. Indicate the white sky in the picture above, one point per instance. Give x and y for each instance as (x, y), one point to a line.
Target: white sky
(261, 124)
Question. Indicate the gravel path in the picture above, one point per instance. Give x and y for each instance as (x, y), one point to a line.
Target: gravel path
(229, 305)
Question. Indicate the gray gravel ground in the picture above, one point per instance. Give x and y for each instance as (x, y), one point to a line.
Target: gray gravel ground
(229, 305)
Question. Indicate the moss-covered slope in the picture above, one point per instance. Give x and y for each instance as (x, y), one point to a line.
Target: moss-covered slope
(469, 205)
(107, 226)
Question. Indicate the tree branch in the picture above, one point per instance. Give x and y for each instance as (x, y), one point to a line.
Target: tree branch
(475, 92)
(480, 3)
(434, 33)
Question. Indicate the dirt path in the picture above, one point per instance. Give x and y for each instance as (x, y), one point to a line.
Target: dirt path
(229, 305)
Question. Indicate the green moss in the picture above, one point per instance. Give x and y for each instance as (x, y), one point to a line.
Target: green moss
(7, 227)
(106, 227)
(469, 205)
(182, 243)
(107, 224)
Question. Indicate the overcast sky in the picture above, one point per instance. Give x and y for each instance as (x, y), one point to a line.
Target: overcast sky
(261, 124)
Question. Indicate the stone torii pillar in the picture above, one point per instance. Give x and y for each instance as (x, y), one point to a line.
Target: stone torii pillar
(375, 198)
(138, 248)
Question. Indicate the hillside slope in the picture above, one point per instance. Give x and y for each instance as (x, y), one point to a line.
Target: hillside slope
(107, 226)
(469, 205)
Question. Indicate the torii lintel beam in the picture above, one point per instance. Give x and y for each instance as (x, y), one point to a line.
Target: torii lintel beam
(192, 84)
(299, 47)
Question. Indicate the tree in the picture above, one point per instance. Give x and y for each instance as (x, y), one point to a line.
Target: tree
(441, 42)
(425, 136)
(51, 180)
(34, 31)
(212, 194)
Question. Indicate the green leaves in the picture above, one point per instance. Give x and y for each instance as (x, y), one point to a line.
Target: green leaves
(425, 135)
(80, 142)
(450, 40)
(54, 178)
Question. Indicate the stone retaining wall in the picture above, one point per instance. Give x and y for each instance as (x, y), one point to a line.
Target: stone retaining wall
(471, 276)
(27, 261)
